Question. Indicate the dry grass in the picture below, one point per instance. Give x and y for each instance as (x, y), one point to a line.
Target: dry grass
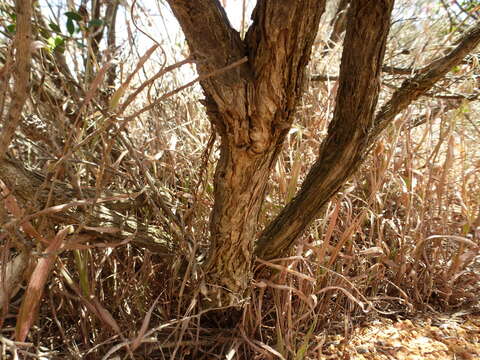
(403, 236)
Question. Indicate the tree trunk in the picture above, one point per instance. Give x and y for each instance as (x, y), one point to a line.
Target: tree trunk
(251, 107)
(240, 181)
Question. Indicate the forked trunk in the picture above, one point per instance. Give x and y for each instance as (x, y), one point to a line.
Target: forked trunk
(252, 109)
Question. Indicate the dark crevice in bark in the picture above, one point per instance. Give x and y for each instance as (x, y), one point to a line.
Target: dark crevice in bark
(251, 107)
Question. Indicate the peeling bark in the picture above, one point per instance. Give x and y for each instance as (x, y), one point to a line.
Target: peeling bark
(251, 108)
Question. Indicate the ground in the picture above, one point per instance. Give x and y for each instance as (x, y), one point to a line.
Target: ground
(437, 337)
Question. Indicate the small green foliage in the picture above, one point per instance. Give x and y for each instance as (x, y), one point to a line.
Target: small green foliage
(56, 43)
(70, 26)
(464, 108)
(11, 28)
(8, 18)
(95, 23)
(55, 27)
(71, 17)
(74, 16)
(470, 5)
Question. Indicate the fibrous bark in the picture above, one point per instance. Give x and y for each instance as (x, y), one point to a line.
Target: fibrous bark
(343, 148)
(21, 72)
(251, 108)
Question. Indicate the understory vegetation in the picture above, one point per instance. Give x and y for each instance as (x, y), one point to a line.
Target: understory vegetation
(108, 182)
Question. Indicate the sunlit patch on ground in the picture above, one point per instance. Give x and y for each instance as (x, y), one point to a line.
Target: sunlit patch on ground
(438, 338)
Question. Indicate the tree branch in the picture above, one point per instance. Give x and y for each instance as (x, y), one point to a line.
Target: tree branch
(211, 39)
(214, 44)
(279, 45)
(21, 72)
(340, 153)
(29, 189)
(329, 171)
(338, 24)
(423, 80)
(394, 70)
(257, 96)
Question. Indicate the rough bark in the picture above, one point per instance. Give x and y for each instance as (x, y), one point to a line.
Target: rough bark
(111, 21)
(306, 206)
(251, 108)
(21, 72)
(342, 150)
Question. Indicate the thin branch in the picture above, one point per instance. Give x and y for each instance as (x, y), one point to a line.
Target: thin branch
(465, 11)
(450, 18)
(21, 181)
(475, 126)
(393, 70)
(423, 81)
(21, 72)
(338, 24)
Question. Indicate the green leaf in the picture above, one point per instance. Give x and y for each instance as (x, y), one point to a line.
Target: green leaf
(59, 41)
(306, 342)
(51, 43)
(11, 28)
(73, 16)
(56, 43)
(55, 27)
(95, 22)
(70, 26)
